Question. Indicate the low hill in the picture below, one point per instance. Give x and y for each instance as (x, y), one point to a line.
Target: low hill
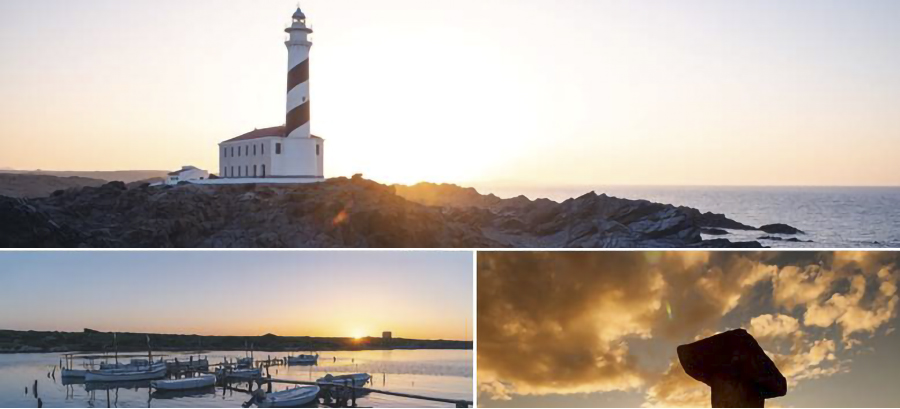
(126, 176)
(31, 185)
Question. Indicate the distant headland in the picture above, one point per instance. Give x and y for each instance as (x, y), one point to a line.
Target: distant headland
(95, 341)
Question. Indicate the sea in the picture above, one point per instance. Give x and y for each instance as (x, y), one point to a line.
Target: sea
(831, 217)
(434, 373)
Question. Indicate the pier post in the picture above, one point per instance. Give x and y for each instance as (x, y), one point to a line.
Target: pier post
(40, 403)
(270, 380)
(34, 389)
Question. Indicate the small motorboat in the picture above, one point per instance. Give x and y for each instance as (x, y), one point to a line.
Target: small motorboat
(298, 396)
(202, 381)
(357, 379)
(302, 359)
(156, 371)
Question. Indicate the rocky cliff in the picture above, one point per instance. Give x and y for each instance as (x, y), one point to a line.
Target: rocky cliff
(342, 212)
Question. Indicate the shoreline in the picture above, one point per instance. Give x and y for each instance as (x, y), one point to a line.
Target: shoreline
(90, 341)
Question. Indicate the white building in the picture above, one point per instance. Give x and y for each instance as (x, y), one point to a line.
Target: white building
(187, 173)
(288, 152)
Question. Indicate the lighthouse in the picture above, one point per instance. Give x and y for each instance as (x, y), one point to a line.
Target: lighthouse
(298, 45)
(280, 154)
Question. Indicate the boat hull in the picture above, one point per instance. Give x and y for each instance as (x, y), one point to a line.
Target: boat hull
(290, 398)
(126, 375)
(359, 379)
(73, 373)
(199, 382)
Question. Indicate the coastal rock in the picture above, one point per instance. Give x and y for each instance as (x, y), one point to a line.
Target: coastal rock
(780, 228)
(342, 212)
(714, 231)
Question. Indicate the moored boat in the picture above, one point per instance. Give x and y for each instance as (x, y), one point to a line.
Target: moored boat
(357, 379)
(302, 359)
(293, 397)
(73, 373)
(156, 371)
(242, 373)
(201, 381)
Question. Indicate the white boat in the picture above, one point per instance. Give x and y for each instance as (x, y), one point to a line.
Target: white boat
(244, 373)
(294, 397)
(156, 371)
(133, 364)
(202, 381)
(357, 379)
(302, 359)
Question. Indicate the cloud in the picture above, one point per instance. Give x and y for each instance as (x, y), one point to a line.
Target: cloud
(554, 322)
(777, 325)
(849, 309)
(581, 322)
(675, 389)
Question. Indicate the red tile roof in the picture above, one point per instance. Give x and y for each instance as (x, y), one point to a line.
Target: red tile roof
(262, 133)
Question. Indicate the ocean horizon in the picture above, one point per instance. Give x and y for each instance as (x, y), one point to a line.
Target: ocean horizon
(830, 216)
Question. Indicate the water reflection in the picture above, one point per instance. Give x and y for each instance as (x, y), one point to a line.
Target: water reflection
(445, 374)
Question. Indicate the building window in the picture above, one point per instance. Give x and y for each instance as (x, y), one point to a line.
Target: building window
(232, 171)
(239, 151)
(232, 152)
(262, 149)
(263, 170)
(254, 166)
(246, 150)
(278, 149)
(254, 150)
(224, 152)
(247, 170)
(317, 149)
(225, 172)
(239, 168)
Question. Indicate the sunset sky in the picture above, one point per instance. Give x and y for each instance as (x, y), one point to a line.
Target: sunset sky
(476, 92)
(573, 329)
(424, 295)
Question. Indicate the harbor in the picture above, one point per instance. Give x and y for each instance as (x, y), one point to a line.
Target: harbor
(401, 378)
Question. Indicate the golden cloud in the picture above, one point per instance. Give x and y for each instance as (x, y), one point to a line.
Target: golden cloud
(565, 322)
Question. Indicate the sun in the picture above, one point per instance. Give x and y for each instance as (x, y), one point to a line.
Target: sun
(358, 334)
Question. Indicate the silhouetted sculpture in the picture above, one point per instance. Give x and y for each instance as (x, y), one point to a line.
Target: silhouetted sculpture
(735, 367)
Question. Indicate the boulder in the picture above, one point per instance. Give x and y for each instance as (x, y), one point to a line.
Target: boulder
(780, 228)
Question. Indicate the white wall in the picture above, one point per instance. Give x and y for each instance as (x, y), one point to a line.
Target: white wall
(187, 175)
(298, 157)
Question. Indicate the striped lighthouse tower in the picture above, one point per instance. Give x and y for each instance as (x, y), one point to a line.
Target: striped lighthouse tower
(298, 45)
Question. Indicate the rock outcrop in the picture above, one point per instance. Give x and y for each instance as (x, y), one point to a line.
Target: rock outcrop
(780, 228)
(342, 212)
(737, 369)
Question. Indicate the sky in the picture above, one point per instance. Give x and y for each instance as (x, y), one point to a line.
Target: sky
(600, 329)
(420, 295)
(484, 93)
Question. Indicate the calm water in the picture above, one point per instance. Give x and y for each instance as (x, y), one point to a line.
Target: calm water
(445, 374)
(832, 217)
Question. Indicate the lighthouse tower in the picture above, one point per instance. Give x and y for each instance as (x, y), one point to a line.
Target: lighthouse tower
(298, 45)
(280, 154)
